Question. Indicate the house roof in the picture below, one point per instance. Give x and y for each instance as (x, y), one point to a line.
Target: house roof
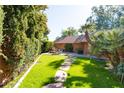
(72, 39)
(81, 38)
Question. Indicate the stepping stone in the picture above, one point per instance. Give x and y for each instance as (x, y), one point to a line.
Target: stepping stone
(68, 60)
(65, 67)
(54, 85)
(60, 76)
(66, 64)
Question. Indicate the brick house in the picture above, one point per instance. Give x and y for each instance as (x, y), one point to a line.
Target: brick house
(78, 42)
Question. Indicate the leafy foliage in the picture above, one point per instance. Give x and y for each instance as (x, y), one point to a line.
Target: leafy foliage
(68, 47)
(1, 31)
(47, 46)
(106, 16)
(87, 27)
(122, 21)
(108, 43)
(25, 28)
(120, 69)
(1, 24)
(70, 31)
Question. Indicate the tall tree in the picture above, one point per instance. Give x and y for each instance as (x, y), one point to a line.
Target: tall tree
(87, 27)
(108, 43)
(25, 28)
(122, 21)
(70, 31)
(106, 17)
(1, 29)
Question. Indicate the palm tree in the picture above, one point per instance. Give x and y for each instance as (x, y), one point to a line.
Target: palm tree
(109, 43)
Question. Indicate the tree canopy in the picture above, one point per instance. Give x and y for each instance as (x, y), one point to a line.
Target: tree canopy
(25, 29)
(106, 16)
(70, 31)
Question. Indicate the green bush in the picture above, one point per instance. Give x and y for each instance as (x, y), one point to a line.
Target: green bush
(25, 28)
(47, 46)
(1, 31)
(120, 69)
(69, 47)
(79, 51)
(1, 25)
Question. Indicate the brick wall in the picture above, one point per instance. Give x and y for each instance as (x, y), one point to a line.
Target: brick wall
(84, 46)
(59, 45)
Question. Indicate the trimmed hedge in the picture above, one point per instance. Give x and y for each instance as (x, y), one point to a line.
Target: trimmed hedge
(25, 28)
(1, 27)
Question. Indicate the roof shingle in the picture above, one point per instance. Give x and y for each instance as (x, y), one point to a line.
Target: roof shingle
(72, 39)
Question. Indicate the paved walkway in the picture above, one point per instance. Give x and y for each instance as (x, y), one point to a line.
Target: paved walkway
(77, 55)
(61, 74)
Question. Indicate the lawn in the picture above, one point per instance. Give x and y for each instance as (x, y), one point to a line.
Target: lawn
(43, 72)
(88, 73)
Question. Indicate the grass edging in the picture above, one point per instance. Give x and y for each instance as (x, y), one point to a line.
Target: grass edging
(43, 72)
(21, 79)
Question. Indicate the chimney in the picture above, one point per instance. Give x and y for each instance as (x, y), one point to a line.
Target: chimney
(87, 35)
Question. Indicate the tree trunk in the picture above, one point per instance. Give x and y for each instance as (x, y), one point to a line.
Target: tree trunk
(115, 60)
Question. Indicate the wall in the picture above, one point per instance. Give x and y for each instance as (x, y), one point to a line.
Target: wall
(59, 45)
(77, 46)
(84, 46)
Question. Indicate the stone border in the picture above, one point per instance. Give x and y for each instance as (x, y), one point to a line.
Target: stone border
(22, 78)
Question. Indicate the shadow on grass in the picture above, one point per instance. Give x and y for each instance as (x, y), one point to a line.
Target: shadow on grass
(97, 77)
(50, 80)
(56, 64)
(79, 59)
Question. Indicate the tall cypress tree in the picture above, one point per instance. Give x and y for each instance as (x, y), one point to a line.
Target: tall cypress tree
(25, 28)
(1, 28)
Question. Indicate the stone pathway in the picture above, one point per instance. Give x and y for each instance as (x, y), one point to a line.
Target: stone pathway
(61, 74)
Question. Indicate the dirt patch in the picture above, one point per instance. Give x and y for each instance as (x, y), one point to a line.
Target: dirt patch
(4, 72)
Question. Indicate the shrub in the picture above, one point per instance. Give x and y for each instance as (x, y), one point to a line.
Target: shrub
(1, 28)
(25, 27)
(120, 71)
(1, 25)
(47, 46)
(69, 47)
(79, 51)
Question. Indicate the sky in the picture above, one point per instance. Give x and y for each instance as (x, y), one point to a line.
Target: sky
(62, 16)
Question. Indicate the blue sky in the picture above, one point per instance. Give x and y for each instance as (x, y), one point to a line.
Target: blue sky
(62, 16)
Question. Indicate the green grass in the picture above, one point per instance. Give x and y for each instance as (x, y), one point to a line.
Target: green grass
(43, 72)
(88, 73)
